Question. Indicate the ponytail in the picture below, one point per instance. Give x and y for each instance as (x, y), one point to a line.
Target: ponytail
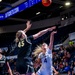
(37, 51)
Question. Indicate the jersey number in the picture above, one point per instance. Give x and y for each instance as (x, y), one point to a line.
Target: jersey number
(45, 60)
(21, 44)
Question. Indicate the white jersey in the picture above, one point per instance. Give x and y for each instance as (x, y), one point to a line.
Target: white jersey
(46, 59)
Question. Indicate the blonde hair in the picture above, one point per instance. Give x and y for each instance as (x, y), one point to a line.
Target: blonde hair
(19, 35)
(37, 50)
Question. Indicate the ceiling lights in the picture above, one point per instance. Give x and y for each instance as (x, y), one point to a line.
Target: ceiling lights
(38, 13)
(0, 0)
(67, 3)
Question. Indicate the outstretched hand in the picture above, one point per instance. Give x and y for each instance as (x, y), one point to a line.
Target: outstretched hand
(54, 32)
(28, 24)
(52, 28)
(57, 73)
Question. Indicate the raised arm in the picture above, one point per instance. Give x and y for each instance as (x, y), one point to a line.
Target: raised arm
(39, 34)
(52, 40)
(28, 24)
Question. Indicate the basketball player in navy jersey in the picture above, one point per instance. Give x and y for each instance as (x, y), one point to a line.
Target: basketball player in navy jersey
(24, 44)
(5, 64)
(45, 57)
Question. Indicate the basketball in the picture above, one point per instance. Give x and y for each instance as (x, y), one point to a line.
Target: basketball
(46, 3)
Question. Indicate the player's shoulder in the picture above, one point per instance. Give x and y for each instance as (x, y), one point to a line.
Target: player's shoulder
(48, 51)
(41, 55)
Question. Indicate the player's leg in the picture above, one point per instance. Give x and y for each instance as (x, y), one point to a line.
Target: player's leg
(30, 70)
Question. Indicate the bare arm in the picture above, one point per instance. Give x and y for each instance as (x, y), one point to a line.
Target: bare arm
(39, 34)
(38, 60)
(28, 24)
(52, 40)
(55, 72)
(9, 69)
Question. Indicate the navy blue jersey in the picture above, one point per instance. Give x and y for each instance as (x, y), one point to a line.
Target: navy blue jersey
(24, 62)
(24, 49)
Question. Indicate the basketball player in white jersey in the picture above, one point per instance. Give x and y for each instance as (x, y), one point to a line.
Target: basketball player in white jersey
(45, 57)
(24, 65)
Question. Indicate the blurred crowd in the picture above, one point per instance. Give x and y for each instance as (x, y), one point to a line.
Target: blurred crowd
(63, 61)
